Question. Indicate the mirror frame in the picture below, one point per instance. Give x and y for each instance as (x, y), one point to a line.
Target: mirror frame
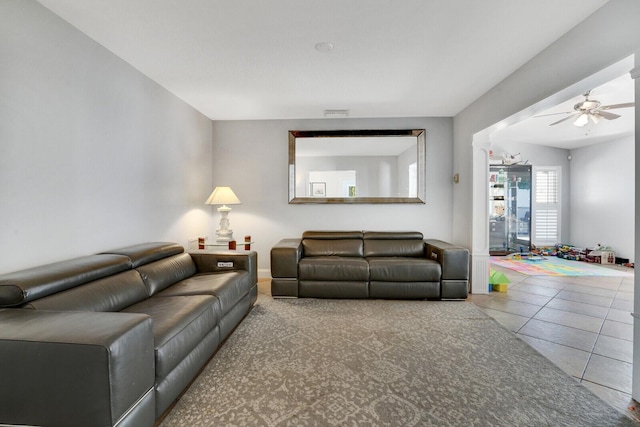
(378, 133)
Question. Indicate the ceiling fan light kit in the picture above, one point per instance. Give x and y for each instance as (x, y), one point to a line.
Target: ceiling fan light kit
(582, 120)
(589, 109)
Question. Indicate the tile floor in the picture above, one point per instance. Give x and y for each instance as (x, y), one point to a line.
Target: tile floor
(582, 324)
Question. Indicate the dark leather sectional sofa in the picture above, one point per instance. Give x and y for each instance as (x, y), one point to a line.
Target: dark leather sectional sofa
(368, 264)
(113, 338)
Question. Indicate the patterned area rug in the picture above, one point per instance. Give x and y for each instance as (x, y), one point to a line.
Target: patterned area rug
(309, 362)
(554, 266)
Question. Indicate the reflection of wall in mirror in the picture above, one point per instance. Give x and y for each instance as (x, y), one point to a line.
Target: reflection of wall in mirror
(377, 176)
(337, 183)
(407, 177)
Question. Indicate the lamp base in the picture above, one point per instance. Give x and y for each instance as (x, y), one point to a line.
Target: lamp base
(224, 233)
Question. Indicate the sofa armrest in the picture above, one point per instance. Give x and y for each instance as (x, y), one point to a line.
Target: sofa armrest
(454, 261)
(285, 256)
(74, 368)
(219, 262)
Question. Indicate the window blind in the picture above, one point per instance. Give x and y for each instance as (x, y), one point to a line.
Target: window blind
(546, 214)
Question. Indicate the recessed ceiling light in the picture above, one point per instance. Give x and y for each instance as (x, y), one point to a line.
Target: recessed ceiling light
(324, 47)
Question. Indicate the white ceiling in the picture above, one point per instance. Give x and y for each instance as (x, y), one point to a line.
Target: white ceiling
(248, 59)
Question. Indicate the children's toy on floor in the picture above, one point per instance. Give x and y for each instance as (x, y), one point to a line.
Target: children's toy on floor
(544, 250)
(525, 256)
(601, 255)
(570, 252)
(498, 281)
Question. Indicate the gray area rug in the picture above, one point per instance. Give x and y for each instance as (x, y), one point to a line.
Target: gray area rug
(311, 362)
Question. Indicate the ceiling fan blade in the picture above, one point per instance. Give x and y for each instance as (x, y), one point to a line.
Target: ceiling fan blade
(565, 119)
(553, 114)
(607, 115)
(611, 107)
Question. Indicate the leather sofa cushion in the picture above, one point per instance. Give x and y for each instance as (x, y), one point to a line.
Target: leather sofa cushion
(27, 285)
(332, 235)
(145, 253)
(161, 274)
(390, 248)
(392, 235)
(399, 269)
(394, 243)
(228, 287)
(333, 268)
(337, 247)
(112, 293)
(179, 324)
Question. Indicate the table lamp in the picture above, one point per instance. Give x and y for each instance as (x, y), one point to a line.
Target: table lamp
(223, 196)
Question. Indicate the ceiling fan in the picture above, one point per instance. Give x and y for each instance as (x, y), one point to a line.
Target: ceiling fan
(589, 109)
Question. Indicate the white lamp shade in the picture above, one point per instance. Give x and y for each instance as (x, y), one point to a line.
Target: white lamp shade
(223, 196)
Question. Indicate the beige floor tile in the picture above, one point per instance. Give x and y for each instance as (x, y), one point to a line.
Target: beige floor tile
(627, 284)
(619, 400)
(594, 282)
(567, 318)
(625, 296)
(578, 307)
(609, 373)
(560, 334)
(513, 322)
(513, 307)
(620, 330)
(585, 298)
(614, 348)
(620, 316)
(620, 304)
(478, 299)
(570, 360)
(627, 287)
(516, 295)
(591, 290)
(536, 289)
(545, 282)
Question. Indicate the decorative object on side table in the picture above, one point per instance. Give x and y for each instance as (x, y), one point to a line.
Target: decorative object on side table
(223, 196)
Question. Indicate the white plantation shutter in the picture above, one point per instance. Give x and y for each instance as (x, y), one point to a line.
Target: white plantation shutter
(546, 206)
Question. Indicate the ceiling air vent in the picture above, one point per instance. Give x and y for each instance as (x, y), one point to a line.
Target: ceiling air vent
(336, 114)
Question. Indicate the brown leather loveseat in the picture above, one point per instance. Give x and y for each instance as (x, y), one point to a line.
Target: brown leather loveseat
(368, 264)
(113, 338)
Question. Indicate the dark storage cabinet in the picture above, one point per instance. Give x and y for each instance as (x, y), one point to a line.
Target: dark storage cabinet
(509, 209)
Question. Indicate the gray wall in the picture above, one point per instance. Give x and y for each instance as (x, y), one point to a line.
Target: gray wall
(252, 157)
(93, 155)
(602, 186)
(567, 61)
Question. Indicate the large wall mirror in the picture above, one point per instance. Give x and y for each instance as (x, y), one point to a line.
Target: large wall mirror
(357, 166)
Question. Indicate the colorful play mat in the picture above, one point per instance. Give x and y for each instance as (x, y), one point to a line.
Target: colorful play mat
(554, 266)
